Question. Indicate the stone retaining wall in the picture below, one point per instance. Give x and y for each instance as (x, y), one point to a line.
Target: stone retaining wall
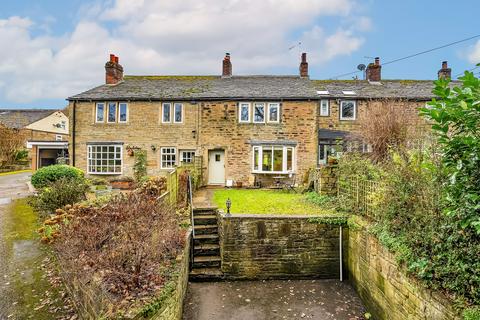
(275, 247)
(172, 307)
(384, 287)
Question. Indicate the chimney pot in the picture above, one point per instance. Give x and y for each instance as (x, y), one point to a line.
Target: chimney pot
(113, 71)
(374, 71)
(445, 72)
(303, 69)
(226, 66)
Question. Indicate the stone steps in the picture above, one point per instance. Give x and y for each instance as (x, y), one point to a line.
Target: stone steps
(206, 229)
(206, 249)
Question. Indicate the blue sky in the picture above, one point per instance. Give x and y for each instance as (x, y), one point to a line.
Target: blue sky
(54, 49)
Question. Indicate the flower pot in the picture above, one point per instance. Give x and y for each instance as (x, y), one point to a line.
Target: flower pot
(122, 185)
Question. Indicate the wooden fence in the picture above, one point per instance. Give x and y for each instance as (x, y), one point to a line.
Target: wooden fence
(173, 179)
(362, 195)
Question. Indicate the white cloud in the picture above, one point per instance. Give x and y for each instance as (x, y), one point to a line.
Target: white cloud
(473, 55)
(171, 37)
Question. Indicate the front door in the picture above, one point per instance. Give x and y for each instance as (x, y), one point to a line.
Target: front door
(216, 167)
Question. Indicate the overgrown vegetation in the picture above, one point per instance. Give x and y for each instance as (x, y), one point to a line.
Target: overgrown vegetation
(427, 209)
(46, 175)
(120, 248)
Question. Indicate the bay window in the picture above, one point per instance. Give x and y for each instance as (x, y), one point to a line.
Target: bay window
(104, 159)
(273, 159)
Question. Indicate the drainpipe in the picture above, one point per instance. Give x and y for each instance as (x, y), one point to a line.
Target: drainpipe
(341, 255)
(73, 132)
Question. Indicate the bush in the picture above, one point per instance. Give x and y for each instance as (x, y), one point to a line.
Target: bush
(50, 174)
(127, 247)
(58, 194)
(21, 155)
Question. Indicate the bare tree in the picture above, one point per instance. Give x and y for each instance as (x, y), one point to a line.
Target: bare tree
(390, 124)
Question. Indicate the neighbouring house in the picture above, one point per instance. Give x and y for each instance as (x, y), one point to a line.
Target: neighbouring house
(243, 129)
(45, 130)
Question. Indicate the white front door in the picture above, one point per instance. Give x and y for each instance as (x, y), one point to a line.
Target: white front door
(216, 167)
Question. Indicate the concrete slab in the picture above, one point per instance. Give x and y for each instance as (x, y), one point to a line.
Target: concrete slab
(271, 300)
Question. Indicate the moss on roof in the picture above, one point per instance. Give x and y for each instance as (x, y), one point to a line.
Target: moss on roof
(181, 78)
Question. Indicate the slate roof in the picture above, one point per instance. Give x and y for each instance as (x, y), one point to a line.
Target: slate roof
(252, 87)
(20, 118)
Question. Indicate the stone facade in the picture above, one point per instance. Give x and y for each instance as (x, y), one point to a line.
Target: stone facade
(275, 247)
(383, 285)
(206, 126)
(214, 125)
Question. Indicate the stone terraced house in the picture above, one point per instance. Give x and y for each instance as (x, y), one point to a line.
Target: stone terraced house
(245, 129)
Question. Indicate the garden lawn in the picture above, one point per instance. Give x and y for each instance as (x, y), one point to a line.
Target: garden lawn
(254, 201)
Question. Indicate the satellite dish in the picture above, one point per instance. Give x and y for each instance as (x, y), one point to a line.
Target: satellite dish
(361, 67)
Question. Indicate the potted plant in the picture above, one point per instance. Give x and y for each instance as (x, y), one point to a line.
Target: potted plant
(123, 183)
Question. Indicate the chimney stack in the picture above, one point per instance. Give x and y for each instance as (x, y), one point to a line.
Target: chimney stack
(445, 72)
(304, 66)
(227, 66)
(374, 71)
(113, 71)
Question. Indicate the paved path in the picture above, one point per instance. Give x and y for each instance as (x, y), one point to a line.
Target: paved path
(14, 186)
(271, 300)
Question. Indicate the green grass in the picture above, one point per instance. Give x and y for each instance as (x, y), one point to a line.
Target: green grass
(21, 221)
(246, 201)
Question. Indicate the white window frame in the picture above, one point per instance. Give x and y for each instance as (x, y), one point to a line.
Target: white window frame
(249, 106)
(324, 103)
(354, 110)
(183, 152)
(175, 111)
(108, 112)
(264, 109)
(163, 110)
(284, 159)
(115, 158)
(126, 112)
(58, 137)
(162, 153)
(96, 112)
(276, 105)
